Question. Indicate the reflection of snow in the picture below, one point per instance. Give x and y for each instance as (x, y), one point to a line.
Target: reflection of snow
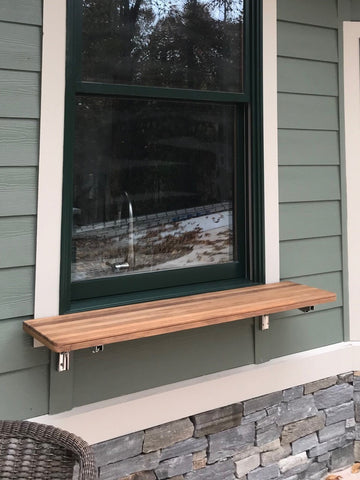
(196, 241)
(207, 222)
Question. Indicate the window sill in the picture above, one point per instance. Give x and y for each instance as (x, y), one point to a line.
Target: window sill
(129, 322)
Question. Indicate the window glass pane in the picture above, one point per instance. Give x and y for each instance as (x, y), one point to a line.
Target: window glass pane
(193, 44)
(153, 185)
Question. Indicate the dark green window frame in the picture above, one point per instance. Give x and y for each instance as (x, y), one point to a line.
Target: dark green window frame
(101, 293)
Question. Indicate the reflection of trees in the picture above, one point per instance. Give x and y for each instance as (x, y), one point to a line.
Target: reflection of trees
(187, 44)
(165, 154)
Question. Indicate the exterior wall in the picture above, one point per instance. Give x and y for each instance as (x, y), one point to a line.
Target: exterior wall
(310, 226)
(309, 172)
(298, 433)
(23, 371)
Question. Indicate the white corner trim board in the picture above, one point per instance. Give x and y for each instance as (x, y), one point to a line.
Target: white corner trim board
(47, 272)
(271, 193)
(351, 41)
(47, 275)
(131, 413)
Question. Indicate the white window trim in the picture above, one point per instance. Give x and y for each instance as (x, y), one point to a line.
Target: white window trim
(48, 243)
(47, 276)
(196, 395)
(351, 39)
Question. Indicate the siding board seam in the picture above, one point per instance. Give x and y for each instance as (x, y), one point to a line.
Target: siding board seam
(334, 29)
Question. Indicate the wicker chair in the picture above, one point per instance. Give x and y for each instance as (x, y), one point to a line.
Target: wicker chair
(34, 451)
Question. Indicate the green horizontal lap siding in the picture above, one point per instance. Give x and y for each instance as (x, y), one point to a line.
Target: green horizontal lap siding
(146, 363)
(312, 12)
(20, 47)
(18, 191)
(24, 393)
(329, 281)
(19, 142)
(308, 147)
(17, 241)
(16, 347)
(16, 292)
(311, 255)
(300, 332)
(309, 174)
(19, 94)
(309, 220)
(309, 77)
(24, 371)
(309, 183)
(355, 10)
(309, 112)
(308, 42)
(21, 11)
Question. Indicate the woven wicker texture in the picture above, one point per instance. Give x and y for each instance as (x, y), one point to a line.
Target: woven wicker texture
(34, 451)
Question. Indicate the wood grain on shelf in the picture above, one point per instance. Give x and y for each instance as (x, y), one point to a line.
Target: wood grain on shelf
(111, 325)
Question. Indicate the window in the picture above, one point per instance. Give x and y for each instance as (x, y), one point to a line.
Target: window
(162, 168)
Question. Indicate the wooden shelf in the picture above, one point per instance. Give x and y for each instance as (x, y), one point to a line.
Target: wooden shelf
(75, 331)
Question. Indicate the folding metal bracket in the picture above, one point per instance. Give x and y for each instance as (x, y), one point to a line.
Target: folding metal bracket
(98, 348)
(63, 364)
(307, 309)
(264, 322)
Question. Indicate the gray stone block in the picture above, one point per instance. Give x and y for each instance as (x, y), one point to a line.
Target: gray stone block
(293, 393)
(273, 410)
(350, 423)
(357, 409)
(264, 473)
(315, 476)
(297, 409)
(347, 377)
(319, 384)
(165, 435)
(332, 396)
(174, 466)
(149, 475)
(298, 469)
(262, 402)
(267, 421)
(357, 431)
(332, 431)
(243, 467)
(324, 458)
(301, 428)
(341, 412)
(342, 457)
(267, 435)
(253, 417)
(247, 451)
(327, 446)
(117, 470)
(218, 471)
(316, 467)
(304, 443)
(356, 381)
(357, 450)
(191, 445)
(230, 442)
(118, 449)
(267, 458)
(217, 420)
(289, 463)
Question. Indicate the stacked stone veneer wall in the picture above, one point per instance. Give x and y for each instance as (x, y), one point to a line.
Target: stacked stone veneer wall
(299, 433)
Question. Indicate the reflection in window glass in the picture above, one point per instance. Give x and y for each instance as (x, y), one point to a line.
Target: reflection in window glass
(192, 44)
(153, 185)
